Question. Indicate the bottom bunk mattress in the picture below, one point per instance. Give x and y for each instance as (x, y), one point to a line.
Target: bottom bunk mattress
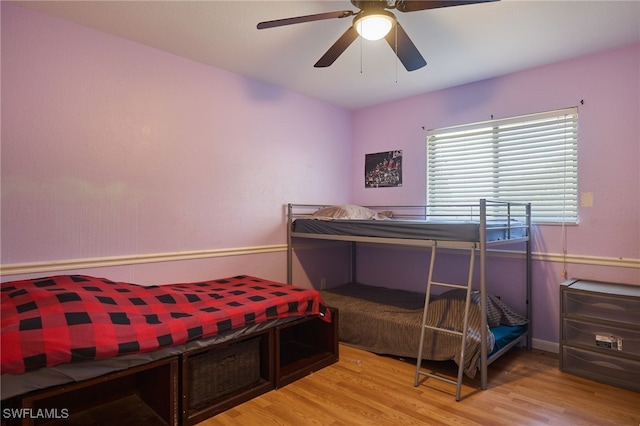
(388, 321)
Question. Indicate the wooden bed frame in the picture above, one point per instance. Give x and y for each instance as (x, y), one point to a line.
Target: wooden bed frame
(187, 388)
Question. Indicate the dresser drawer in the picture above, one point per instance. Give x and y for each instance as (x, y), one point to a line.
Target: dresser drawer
(605, 337)
(601, 306)
(601, 367)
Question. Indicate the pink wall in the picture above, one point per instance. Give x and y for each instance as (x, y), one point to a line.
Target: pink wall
(609, 155)
(113, 148)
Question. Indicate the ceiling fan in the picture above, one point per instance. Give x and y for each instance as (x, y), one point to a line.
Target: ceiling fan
(374, 22)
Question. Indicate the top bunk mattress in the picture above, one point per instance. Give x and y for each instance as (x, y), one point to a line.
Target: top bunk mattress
(441, 230)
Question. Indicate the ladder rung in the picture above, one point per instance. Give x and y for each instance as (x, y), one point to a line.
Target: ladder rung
(444, 330)
(449, 285)
(434, 376)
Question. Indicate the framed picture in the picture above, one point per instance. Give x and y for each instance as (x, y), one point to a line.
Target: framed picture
(383, 169)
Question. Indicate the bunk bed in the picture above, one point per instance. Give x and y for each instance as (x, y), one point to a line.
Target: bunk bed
(184, 351)
(422, 326)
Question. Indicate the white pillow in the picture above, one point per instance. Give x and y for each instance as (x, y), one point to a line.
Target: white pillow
(348, 211)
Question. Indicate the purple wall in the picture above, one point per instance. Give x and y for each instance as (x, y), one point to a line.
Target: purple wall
(113, 148)
(609, 155)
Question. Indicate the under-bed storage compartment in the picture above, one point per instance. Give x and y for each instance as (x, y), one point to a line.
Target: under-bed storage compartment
(218, 378)
(147, 395)
(304, 346)
(600, 332)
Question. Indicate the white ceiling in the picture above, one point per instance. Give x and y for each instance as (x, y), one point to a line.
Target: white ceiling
(461, 44)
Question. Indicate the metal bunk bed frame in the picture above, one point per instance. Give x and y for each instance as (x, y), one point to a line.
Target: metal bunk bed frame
(480, 246)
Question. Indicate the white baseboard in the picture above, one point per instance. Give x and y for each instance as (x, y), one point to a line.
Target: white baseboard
(546, 346)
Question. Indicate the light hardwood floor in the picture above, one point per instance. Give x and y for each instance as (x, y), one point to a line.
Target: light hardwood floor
(525, 388)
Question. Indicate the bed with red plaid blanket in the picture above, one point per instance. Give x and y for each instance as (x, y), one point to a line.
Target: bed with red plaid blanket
(54, 320)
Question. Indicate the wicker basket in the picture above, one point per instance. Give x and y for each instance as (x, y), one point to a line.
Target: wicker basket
(221, 371)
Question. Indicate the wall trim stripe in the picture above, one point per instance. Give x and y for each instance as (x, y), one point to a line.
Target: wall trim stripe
(100, 262)
(618, 262)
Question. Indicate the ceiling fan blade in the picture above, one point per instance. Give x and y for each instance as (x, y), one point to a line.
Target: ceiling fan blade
(416, 5)
(338, 47)
(406, 51)
(305, 18)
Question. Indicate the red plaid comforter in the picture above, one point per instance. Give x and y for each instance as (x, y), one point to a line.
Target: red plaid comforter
(53, 320)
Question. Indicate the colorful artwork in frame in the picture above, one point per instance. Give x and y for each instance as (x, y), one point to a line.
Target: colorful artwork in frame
(383, 169)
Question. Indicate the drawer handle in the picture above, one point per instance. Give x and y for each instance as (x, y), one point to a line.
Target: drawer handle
(608, 306)
(608, 365)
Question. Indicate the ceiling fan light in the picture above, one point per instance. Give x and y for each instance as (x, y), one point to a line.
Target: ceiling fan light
(374, 26)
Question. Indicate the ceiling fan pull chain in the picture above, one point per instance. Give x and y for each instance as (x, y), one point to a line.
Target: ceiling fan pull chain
(361, 54)
(397, 58)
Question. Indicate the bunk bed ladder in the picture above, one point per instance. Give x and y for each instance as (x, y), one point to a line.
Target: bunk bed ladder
(463, 334)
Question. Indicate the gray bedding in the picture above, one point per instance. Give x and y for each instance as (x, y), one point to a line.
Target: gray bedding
(412, 229)
(387, 321)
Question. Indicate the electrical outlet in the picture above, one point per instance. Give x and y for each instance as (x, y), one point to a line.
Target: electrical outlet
(323, 283)
(586, 199)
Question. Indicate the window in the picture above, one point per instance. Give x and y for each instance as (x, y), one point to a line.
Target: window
(532, 158)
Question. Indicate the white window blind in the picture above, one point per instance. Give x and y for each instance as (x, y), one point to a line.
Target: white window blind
(532, 158)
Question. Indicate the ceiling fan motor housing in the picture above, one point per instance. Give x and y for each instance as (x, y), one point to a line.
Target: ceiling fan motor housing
(372, 4)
